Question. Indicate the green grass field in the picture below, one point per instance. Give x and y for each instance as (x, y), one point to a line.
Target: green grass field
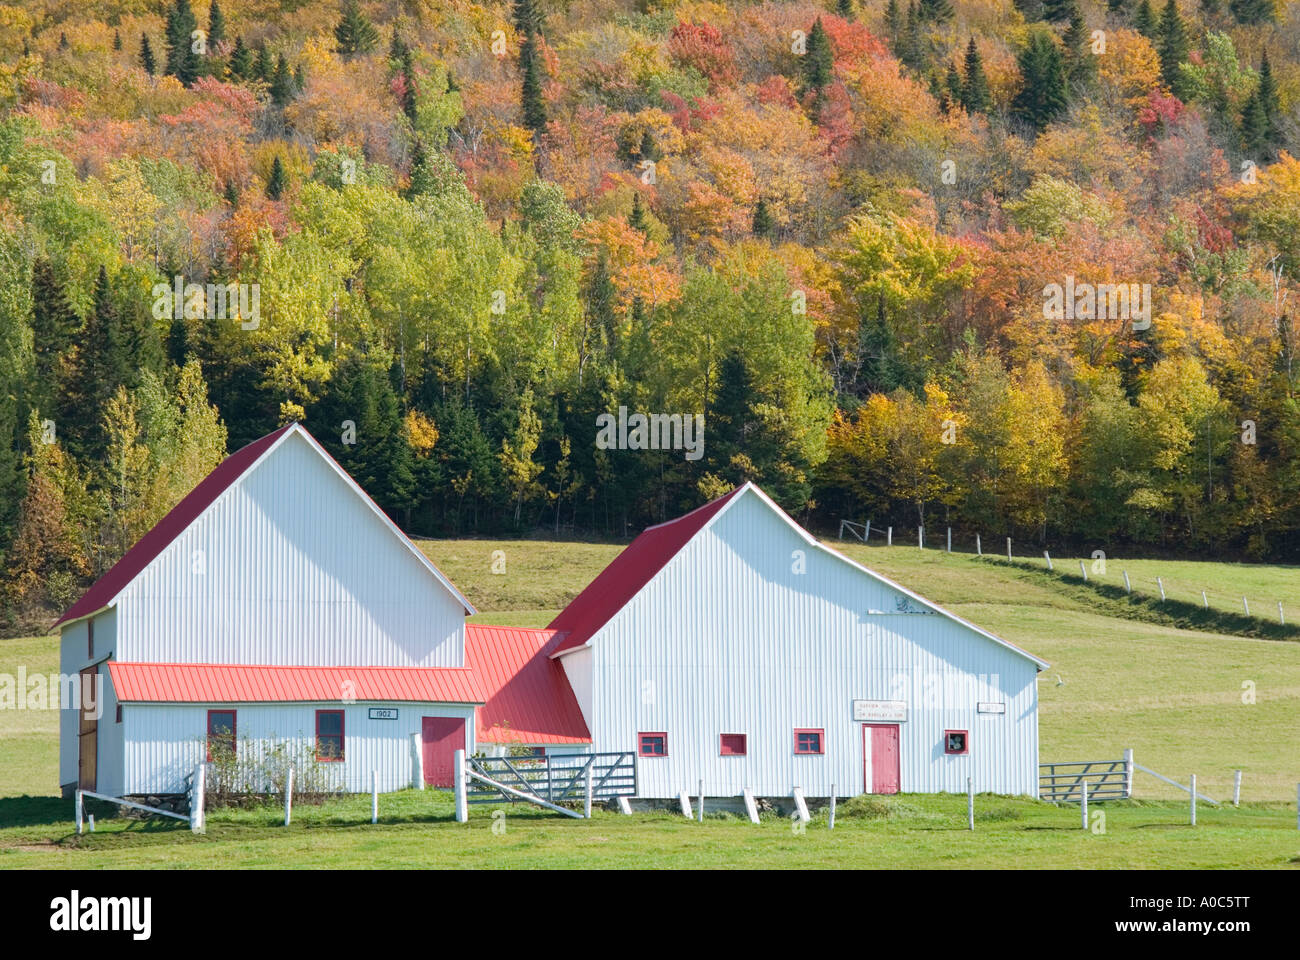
(1120, 678)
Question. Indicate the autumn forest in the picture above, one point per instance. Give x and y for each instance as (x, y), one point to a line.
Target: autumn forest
(1027, 268)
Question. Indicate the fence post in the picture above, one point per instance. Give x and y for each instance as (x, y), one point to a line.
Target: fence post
(1008, 548)
(889, 537)
(970, 803)
(1128, 774)
(1083, 804)
(586, 803)
(831, 816)
(700, 812)
(1236, 788)
(417, 762)
(288, 796)
(1205, 600)
(1128, 588)
(81, 812)
(1048, 557)
(458, 772)
(920, 537)
(1297, 806)
(1193, 799)
(867, 536)
(1083, 570)
(1281, 617)
(978, 551)
(1246, 603)
(950, 539)
(374, 796)
(1161, 584)
(200, 787)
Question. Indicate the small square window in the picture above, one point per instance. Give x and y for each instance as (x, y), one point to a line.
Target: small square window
(956, 742)
(808, 741)
(732, 745)
(652, 744)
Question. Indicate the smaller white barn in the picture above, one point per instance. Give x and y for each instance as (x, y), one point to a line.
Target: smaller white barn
(731, 646)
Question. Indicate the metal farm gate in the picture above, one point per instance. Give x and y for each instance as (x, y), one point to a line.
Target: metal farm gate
(1065, 782)
(555, 779)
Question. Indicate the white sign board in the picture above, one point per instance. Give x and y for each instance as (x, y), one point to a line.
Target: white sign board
(990, 707)
(383, 713)
(880, 711)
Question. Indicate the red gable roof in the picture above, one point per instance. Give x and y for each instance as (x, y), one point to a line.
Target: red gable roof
(148, 547)
(631, 570)
(529, 699)
(264, 683)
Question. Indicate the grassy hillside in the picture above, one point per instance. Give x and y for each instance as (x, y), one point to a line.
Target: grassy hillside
(1116, 681)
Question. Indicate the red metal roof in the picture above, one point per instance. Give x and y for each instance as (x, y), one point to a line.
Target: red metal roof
(263, 683)
(631, 570)
(148, 547)
(529, 699)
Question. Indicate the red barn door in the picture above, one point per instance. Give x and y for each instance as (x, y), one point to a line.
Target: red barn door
(880, 758)
(442, 737)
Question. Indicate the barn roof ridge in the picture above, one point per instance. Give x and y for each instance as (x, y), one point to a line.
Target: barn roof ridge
(594, 611)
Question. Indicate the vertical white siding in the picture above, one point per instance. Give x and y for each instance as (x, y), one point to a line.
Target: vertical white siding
(73, 659)
(728, 638)
(164, 742)
(289, 566)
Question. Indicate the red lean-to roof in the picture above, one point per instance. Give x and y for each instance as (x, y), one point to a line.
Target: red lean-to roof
(148, 547)
(631, 570)
(264, 683)
(529, 699)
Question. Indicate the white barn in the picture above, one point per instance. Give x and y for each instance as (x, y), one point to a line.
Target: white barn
(278, 601)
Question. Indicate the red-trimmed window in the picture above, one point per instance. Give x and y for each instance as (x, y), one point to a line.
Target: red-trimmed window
(652, 744)
(221, 730)
(956, 742)
(329, 736)
(809, 740)
(732, 745)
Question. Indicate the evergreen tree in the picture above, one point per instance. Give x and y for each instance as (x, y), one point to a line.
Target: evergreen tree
(1059, 11)
(1080, 64)
(182, 61)
(275, 184)
(953, 84)
(216, 26)
(533, 107)
(117, 41)
(1031, 10)
(262, 68)
(893, 21)
(231, 194)
(355, 34)
(1042, 95)
(146, 56)
(649, 149)
(241, 60)
(1268, 98)
(1172, 46)
(1211, 11)
(1144, 21)
(281, 83)
(421, 176)
(844, 8)
(731, 419)
(299, 79)
(1252, 11)
(636, 220)
(54, 324)
(599, 297)
(934, 11)
(1119, 7)
(975, 87)
(63, 41)
(528, 17)
(1254, 125)
(910, 49)
(762, 224)
(98, 366)
(818, 59)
